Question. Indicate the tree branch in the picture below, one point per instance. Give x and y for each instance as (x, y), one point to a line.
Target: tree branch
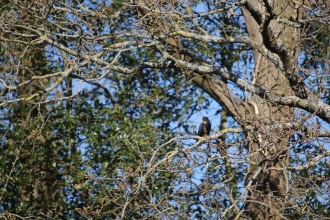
(316, 106)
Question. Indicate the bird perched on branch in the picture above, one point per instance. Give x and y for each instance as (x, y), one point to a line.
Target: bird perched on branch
(204, 128)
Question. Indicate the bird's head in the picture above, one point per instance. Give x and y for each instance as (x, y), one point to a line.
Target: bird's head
(205, 119)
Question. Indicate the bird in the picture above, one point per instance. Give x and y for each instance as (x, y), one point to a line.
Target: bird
(204, 127)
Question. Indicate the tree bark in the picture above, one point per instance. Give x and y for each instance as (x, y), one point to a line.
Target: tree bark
(276, 37)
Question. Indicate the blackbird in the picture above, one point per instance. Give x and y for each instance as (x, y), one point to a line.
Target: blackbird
(204, 128)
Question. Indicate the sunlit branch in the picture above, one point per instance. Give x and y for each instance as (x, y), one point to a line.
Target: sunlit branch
(317, 106)
(246, 40)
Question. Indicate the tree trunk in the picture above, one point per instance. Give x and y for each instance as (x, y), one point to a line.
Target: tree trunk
(274, 36)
